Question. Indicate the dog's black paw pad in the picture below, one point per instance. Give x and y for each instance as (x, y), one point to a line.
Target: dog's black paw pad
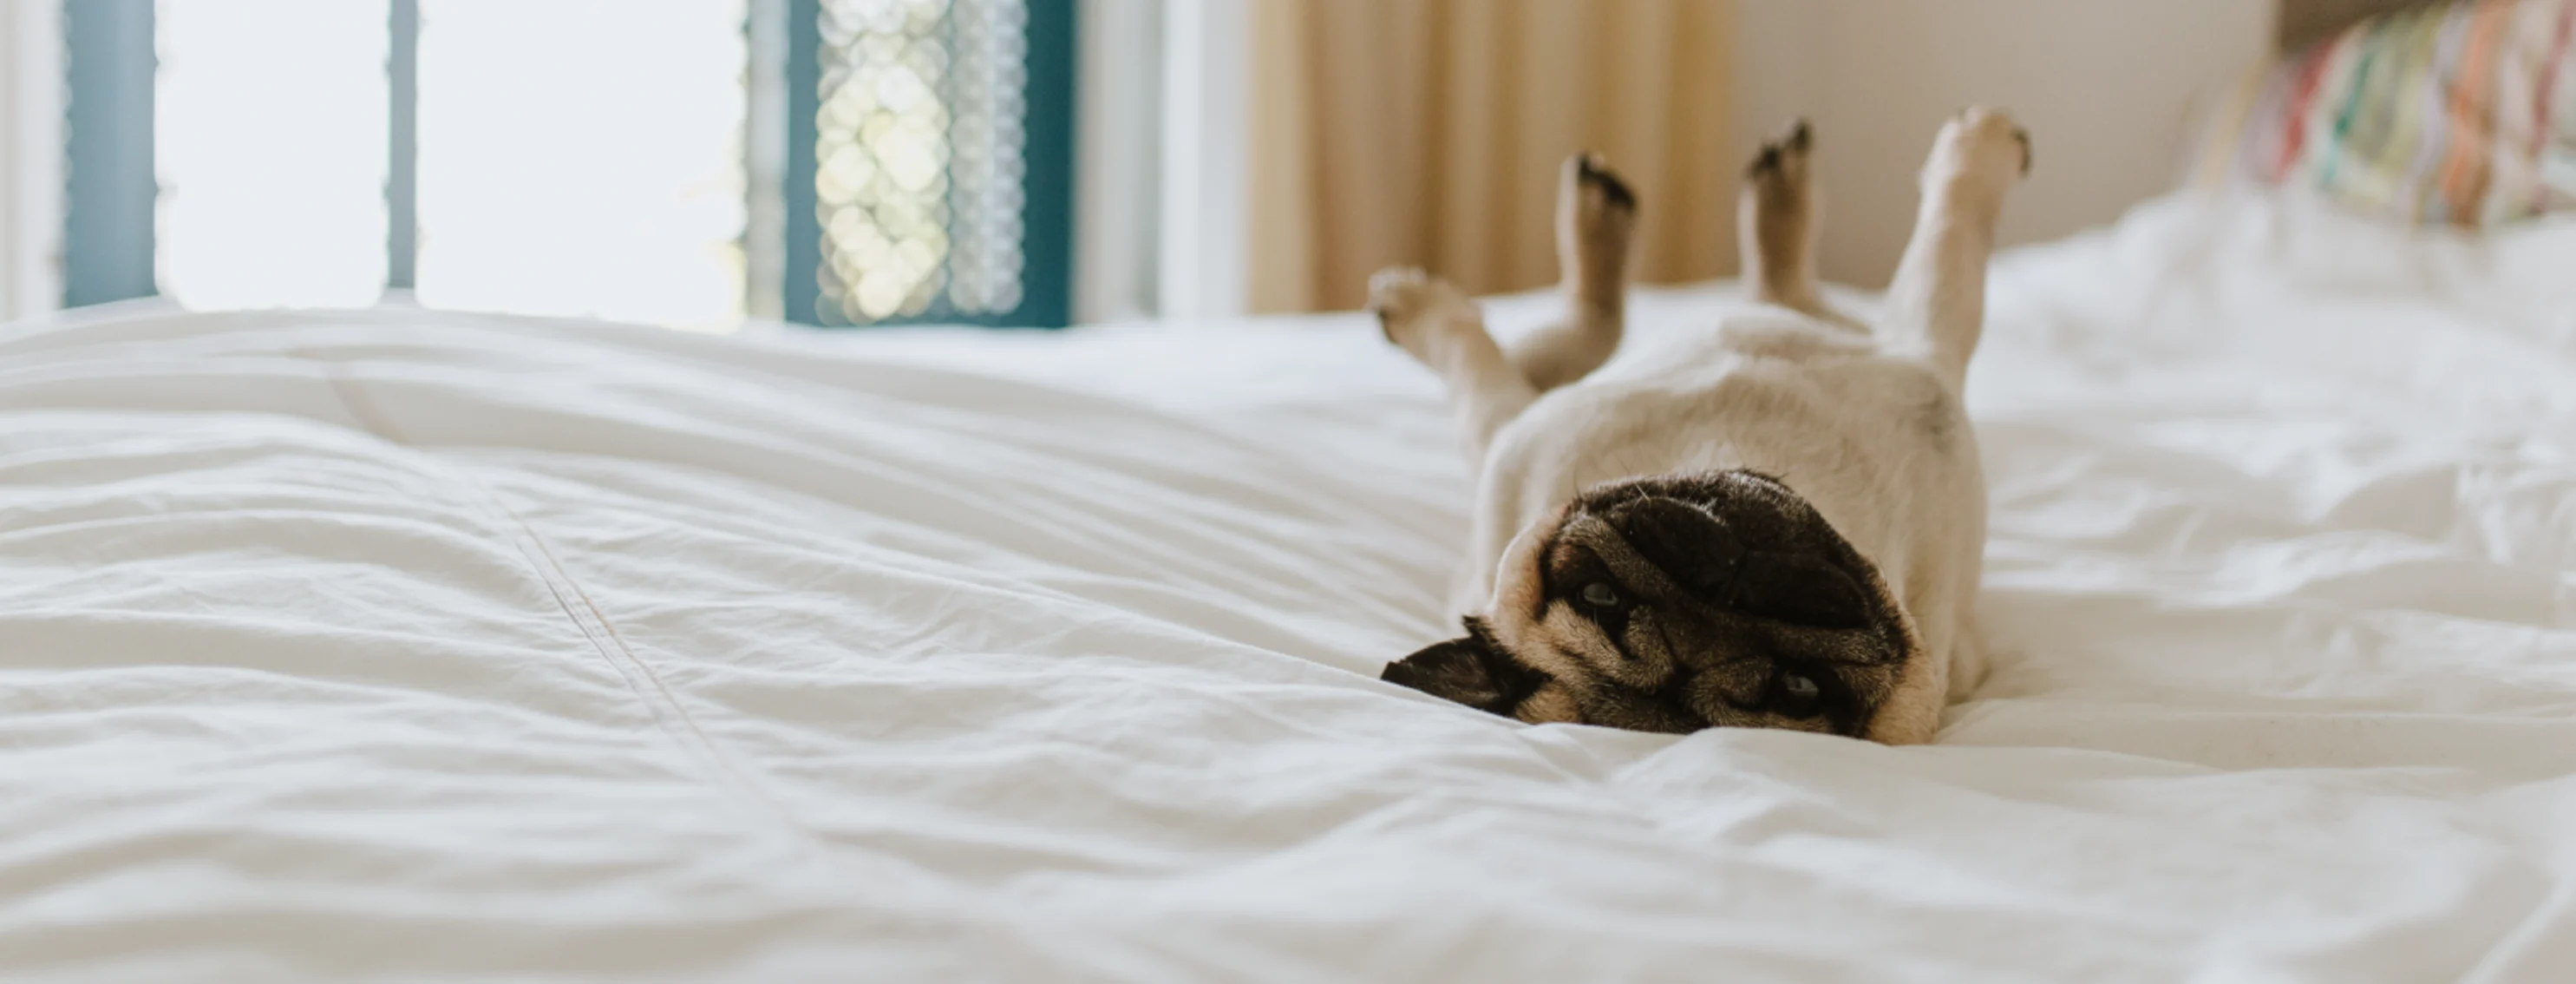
(1591, 172)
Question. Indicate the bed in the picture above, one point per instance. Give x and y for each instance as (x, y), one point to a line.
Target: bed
(404, 644)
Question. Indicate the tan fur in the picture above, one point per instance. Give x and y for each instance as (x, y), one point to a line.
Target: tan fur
(1862, 422)
(1552, 703)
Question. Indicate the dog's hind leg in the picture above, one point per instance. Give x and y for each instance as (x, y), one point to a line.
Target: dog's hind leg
(1596, 217)
(1776, 224)
(1443, 329)
(1937, 304)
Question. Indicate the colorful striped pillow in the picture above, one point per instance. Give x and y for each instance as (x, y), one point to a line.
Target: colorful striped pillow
(2459, 113)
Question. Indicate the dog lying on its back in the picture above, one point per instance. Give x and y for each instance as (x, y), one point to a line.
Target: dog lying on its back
(1781, 526)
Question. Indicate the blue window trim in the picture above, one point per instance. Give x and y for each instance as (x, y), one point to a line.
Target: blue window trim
(802, 298)
(1046, 219)
(110, 189)
(402, 162)
(1047, 281)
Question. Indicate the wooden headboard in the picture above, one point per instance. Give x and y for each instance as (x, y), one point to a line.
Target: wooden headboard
(2302, 21)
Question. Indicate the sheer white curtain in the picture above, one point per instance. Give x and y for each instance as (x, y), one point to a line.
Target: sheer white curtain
(1204, 253)
(1118, 134)
(1163, 216)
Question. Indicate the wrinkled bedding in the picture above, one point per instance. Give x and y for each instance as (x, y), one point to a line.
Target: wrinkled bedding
(411, 644)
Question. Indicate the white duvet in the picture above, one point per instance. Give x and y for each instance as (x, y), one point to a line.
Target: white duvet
(400, 644)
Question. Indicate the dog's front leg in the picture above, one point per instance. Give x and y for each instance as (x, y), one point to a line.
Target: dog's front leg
(1442, 327)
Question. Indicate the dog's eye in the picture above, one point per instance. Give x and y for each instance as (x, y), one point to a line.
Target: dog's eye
(1600, 595)
(1798, 695)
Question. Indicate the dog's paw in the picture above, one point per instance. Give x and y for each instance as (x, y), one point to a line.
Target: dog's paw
(1596, 216)
(1596, 199)
(1783, 161)
(1414, 309)
(1980, 148)
(1777, 175)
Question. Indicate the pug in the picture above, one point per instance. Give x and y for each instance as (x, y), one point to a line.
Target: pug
(1778, 522)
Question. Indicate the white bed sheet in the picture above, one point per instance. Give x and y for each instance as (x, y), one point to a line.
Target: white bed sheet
(414, 645)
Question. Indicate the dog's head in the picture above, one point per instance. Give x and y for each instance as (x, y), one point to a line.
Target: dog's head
(1679, 602)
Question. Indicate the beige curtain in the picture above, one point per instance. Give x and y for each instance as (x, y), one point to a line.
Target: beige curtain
(1430, 131)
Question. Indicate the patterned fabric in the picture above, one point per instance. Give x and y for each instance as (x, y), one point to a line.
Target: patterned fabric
(2459, 113)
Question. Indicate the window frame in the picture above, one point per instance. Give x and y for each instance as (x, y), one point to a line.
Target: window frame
(111, 190)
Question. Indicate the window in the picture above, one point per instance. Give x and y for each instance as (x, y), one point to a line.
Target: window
(283, 205)
(941, 183)
(546, 143)
(613, 158)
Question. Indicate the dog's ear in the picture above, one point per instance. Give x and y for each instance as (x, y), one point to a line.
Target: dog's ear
(1470, 669)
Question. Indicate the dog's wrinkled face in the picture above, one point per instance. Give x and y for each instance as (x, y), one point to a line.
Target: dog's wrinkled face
(1679, 602)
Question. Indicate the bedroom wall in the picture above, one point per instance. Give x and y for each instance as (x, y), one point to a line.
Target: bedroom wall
(9, 154)
(30, 167)
(2105, 88)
